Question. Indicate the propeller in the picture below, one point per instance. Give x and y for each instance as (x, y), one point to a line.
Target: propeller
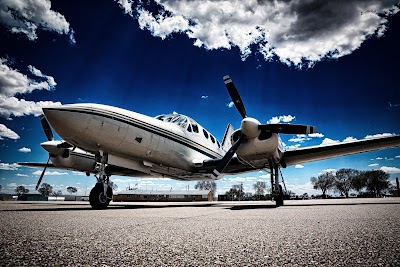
(46, 128)
(41, 176)
(251, 128)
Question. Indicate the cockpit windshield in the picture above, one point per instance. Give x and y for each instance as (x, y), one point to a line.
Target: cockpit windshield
(181, 120)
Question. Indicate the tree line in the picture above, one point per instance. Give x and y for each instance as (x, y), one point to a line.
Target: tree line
(366, 183)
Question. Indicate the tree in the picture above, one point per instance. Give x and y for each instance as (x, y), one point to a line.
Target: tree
(45, 189)
(259, 188)
(21, 190)
(359, 182)
(57, 194)
(377, 181)
(324, 182)
(71, 189)
(344, 179)
(206, 185)
(236, 192)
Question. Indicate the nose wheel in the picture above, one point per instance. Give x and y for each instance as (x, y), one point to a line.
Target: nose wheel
(101, 194)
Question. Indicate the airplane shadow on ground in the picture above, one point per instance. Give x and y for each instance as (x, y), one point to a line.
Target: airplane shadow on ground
(86, 207)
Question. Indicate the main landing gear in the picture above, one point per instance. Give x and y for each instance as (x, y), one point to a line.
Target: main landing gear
(101, 194)
(277, 192)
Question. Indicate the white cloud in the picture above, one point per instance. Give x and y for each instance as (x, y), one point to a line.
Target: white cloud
(379, 158)
(328, 141)
(284, 118)
(397, 157)
(296, 146)
(300, 138)
(295, 32)
(373, 165)
(13, 83)
(24, 150)
(379, 135)
(350, 139)
(327, 170)
(204, 96)
(8, 133)
(8, 166)
(22, 175)
(299, 166)
(230, 104)
(55, 173)
(390, 170)
(316, 135)
(21, 16)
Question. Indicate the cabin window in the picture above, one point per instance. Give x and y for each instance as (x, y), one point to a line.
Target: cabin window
(205, 133)
(219, 146)
(212, 139)
(195, 128)
(189, 128)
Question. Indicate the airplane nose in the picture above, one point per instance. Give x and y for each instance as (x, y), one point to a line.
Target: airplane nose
(68, 121)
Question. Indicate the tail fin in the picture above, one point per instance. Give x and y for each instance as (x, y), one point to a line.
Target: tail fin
(226, 141)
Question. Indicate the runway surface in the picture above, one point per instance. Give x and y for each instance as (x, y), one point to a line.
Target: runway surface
(346, 232)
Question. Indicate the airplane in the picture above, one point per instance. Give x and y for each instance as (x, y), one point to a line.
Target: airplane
(106, 140)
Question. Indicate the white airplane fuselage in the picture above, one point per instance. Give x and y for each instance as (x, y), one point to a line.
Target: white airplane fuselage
(143, 143)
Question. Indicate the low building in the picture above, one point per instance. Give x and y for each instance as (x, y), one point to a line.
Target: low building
(6, 197)
(164, 195)
(32, 197)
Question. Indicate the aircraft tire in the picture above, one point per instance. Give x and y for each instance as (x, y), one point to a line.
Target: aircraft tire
(279, 198)
(96, 197)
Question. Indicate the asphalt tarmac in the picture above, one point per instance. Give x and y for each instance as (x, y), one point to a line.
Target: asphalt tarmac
(346, 232)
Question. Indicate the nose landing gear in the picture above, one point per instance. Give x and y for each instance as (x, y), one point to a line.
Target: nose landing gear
(277, 191)
(101, 194)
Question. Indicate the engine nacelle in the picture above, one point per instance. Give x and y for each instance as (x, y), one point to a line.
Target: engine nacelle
(77, 161)
(264, 144)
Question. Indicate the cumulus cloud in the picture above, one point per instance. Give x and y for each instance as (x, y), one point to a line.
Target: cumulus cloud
(24, 150)
(299, 166)
(8, 166)
(350, 139)
(294, 32)
(204, 96)
(328, 141)
(25, 17)
(21, 175)
(390, 170)
(284, 118)
(373, 165)
(230, 105)
(13, 84)
(316, 135)
(379, 135)
(7, 133)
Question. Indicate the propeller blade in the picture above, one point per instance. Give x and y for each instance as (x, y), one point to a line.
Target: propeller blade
(288, 128)
(227, 158)
(46, 128)
(236, 99)
(41, 176)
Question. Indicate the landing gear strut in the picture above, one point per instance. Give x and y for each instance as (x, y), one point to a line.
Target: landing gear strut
(277, 192)
(101, 194)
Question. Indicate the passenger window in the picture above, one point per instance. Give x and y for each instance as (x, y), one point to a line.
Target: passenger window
(189, 128)
(205, 133)
(219, 146)
(195, 128)
(212, 139)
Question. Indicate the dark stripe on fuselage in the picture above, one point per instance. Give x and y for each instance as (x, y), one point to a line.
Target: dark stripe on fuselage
(147, 127)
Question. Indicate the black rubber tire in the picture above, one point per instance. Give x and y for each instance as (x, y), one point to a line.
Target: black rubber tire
(279, 198)
(95, 197)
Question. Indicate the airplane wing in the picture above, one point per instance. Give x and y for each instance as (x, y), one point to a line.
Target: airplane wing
(112, 169)
(314, 153)
(307, 154)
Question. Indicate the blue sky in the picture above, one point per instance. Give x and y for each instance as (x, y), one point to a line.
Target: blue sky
(333, 66)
